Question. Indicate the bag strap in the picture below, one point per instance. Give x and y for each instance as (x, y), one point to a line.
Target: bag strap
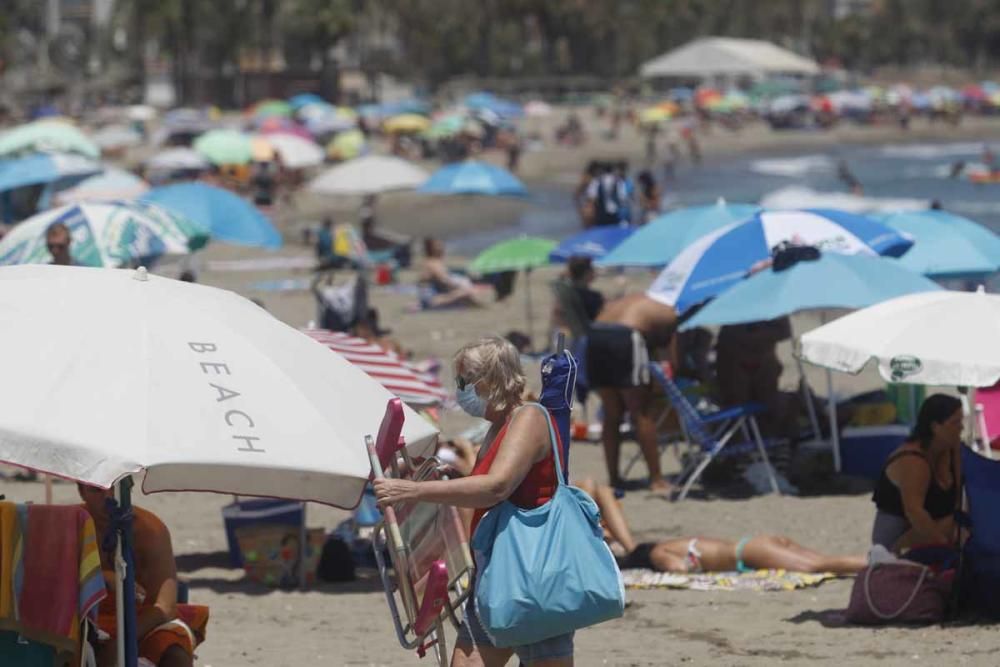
(554, 440)
(906, 605)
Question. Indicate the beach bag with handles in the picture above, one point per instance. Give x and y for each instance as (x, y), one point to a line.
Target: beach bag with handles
(899, 590)
(546, 571)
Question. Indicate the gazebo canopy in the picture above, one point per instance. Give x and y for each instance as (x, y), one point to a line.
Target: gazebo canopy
(726, 56)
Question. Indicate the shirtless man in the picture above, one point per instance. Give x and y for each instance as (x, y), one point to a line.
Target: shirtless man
(58, 241)
(164, 639)
(618, 353)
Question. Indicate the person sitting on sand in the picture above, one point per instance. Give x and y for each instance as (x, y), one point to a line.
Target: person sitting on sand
(164, 639)
(709, 554)
(618, 352)
(440, 287)
(918, 491)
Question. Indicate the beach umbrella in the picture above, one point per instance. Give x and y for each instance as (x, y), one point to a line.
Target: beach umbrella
(945, 245)
(108, 234)
(140, 112)
(406, 123)
(295, 152)
(176, 159)
(225, 147)
(473, 178)
(269, 108)
(830, 281)
(304, 100)
(329, 122)
(112, 183)
(654, 115)
(537, 109)
(369, 175)
(594, 243)
(228, 217)
(111, 137)
(520, 254)
(383, 366)
(446, 126)
(43, 168)
(47, 135)
(483, 101)
(260, 149)
(725, 256)
(188, 387)
(935, 338)
(659, 241)
(279, 125)
(346, 145)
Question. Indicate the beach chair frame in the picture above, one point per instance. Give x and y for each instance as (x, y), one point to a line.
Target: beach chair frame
(428, 598)
(713, 434)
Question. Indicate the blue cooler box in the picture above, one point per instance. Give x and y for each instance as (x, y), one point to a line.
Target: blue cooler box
(256, 512)
(864, 449)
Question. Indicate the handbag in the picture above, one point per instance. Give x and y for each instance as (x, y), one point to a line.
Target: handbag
(546, 571)
(898, 591)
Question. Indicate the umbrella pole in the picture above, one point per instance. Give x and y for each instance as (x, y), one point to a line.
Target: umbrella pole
(303, 547)
(527, 305)
(832, 411)
(807, 397)
(128, 648)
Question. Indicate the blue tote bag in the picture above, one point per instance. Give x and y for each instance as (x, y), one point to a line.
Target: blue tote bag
(546, 571)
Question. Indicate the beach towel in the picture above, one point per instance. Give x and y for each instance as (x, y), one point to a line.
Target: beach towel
(58, 581)
(187, 630)
(756, 580)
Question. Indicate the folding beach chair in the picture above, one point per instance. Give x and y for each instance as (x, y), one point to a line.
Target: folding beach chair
(981, 578)
(712, 436)
(431, 561)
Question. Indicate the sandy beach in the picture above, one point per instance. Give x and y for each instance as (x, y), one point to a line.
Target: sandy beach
(350, 624)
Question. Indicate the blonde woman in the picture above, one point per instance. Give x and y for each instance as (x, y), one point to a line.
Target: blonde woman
(515, 463)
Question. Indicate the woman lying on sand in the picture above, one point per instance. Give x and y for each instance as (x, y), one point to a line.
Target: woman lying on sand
(707, 554)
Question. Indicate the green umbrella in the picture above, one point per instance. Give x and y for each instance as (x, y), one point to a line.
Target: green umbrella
(224, 147)
(47, 135)
(521, 254)
(271, 108)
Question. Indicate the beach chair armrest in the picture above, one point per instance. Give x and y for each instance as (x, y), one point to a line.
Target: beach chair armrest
(735, 412)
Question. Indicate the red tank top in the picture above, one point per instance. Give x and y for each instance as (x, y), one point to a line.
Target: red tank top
(537, 487)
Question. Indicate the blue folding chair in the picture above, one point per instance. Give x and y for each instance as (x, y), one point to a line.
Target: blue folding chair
(712, 435)
(981, 580)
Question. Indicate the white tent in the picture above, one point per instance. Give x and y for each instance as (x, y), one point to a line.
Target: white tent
(727, 57)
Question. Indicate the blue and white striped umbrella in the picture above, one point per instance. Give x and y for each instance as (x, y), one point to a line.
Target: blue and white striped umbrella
(725, 256)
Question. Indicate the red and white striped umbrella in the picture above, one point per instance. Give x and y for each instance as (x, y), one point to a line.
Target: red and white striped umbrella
(415, 387)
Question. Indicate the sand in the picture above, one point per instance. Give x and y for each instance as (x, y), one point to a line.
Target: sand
(350, 624)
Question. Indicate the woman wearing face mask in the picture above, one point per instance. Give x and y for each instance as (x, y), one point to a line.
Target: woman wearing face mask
(515, 464)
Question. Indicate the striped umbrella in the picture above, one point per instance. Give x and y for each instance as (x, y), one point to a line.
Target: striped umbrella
(411, 385)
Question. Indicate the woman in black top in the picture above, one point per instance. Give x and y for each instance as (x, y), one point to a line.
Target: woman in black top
(917, 492)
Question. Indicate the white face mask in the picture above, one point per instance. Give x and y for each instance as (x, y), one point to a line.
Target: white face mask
(473, 404)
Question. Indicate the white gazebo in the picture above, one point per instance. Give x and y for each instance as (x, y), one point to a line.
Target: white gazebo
(724, 60)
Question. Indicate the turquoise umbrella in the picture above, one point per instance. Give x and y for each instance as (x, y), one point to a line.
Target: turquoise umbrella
(946, 245)
(224, 147)
(47, 136)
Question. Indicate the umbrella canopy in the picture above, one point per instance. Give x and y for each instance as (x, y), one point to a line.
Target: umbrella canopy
(831, 281)
(198, 387)
(294, 151)
(279, 125)
(224, 147)
(484, 101)
(946, 245)
(109, 234)
(406, 123)
(724, 257)
(346, 145)
(658, 242)
(473, 178)
(175, 159)
(304, 100)
(47, 136)
(371, 174)
(43, 168)
(595, 243)
(111, 137)
(112, 183)
(229, 218)
(514, 255)
(384, 367)
(942, 338)
(270, 108)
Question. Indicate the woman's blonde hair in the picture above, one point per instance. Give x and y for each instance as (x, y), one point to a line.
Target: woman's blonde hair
(494, 365)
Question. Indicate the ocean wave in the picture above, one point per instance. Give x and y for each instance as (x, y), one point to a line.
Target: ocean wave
(931, 151)
(795, 196)
(792, 167)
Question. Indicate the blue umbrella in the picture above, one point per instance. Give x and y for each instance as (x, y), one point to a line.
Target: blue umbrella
(832, 281)
(43, 168)
(658, 242)
(595, 242)
(946, 245)
(724, 257)
(229, 217)
(490, 102)
(473, 178)
(305, 99)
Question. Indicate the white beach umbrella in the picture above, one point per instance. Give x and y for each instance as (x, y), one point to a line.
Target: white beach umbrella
(296, 152)
(941, 338)
(197, 387)
(176, 159)
(111, 137)
(371, 174)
